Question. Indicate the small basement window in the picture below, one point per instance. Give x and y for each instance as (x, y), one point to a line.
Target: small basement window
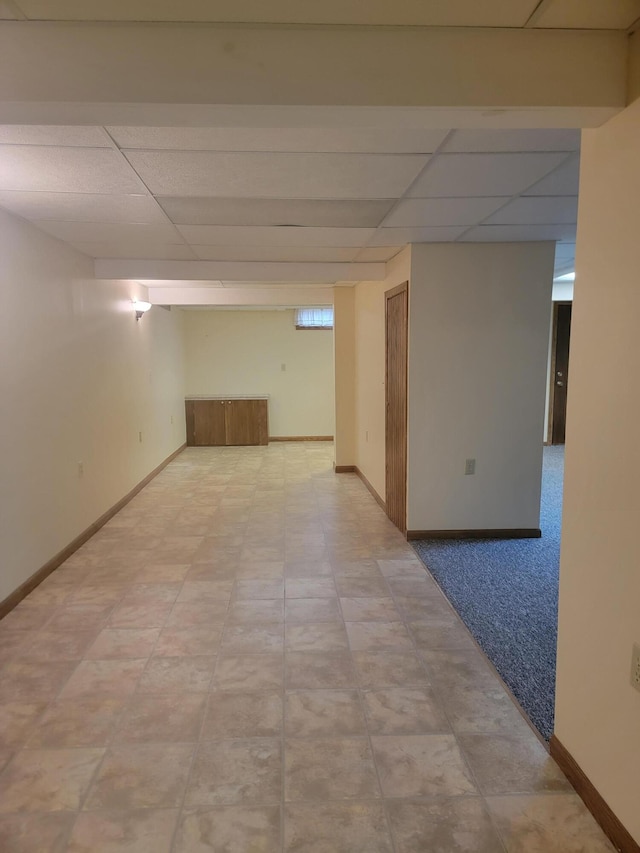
(314, 318)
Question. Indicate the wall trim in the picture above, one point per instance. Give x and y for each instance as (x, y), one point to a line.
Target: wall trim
(300, 438)
(344, 469)
(14, 598)
(353, 469)
(487, 533)
(593, 800)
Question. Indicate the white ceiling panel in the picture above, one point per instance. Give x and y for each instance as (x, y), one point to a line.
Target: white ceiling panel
(8, 11)
(274, 253)
(441, 13)
(589, 14)
(109, 232)
(221, 235)
(517, 233)
(563, 181)
(442, 211)
(474, 141)
(483, 174)
(375, 254)
(141, 250)
(82, 207)
(258, 175)
(400, 236)
(537, 210)
(51, 169)
(368, 140)
(41, 134)
(261, 211)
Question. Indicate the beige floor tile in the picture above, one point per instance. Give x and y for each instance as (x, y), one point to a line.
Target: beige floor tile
(188, 642)
(48, 780)
(329, 769)
(57, 645)
(242, 715)
(230, 828)
(79, 617)
(369, 610)
(336, 827)
(357, 587)
(316, 713)
(141, 831)
(389, 669)
(460, 825)
(136, 776)
(198, 591)
(152, 593)
(31, 832)
(251, 612)
(77, 723)
(33, 681)
(12, 642)
(161, 718)
(312, 610)
(547, 824)
(446, 632)
(310, 588)
(103, 677)
(316, 637)
(152, 615)
(123, 643)
(17, 720)
(247, 673)
(252, 639)
(307, 569)
(269, 588)
(27, 617)
(227, 772)
(315, 670)
(403, 710)
(177, 674)
(370, 636)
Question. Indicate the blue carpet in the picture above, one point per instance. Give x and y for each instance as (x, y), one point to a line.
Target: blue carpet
(506, 592)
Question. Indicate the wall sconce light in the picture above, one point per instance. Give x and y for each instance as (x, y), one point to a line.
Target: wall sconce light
(140, 308)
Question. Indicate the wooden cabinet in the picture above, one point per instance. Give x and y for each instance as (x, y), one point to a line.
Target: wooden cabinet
(226, 422)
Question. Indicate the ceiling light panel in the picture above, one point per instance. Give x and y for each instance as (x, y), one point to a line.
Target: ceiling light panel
(208, 173)
(563, 181)
(135, 250)
(466, 13)
(517, 233)
(465, 175)
(261, 211)
(537, 210)
(589, 14)
(400, 236)
(473, 141)
(274, 253)
(82, 207)
(221, 235)
(44, 134)
(367, 140)
(442, 211)
(52, 169)
(109, 232)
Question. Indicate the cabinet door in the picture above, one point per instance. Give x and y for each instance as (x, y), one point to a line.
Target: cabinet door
(246, 422)
(208, 422)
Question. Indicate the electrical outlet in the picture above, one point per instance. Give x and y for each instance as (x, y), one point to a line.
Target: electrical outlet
(635, 666)
(140, 437)
(470, 466)
(171, 418)
(80, 469)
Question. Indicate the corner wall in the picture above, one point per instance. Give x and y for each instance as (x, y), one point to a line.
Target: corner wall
(479, 319)
(597, 710)
(80, 379)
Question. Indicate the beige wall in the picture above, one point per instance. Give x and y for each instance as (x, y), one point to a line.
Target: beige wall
(370, 370)
(242, 352)
(478, 338)
(597, 711)
(80, 379)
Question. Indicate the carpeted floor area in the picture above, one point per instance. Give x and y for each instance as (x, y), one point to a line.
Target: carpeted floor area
(506, 591)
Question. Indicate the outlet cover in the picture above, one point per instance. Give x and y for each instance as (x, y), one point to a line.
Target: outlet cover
(470, 466)
(635, 666)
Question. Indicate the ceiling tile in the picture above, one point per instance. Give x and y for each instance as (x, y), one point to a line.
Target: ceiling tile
(483, 174)
(399, 236)
(51, 169)
(261, 211)
(375, 254)
(44, 134)
(109, 232)
(469, 141)
(209, 173)
(589, 14)
(8, 12)
(141, 250)
(442, 211)
(274, 253)
(442, 13)
(517, 233)
(371, 140)
(221, 235)
(563, 181)
(537, 210)
(82, 207)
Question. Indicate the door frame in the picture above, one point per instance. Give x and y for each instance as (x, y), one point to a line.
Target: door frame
(552, 367)
(390, 294)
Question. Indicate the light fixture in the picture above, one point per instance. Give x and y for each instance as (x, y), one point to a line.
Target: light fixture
(140, 308)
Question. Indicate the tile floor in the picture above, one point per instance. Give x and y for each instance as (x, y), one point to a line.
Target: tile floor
(249, 658)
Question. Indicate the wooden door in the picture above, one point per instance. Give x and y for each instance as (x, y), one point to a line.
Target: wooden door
(246, 422)
(205, 422)
(560, 370)
(397, 304)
